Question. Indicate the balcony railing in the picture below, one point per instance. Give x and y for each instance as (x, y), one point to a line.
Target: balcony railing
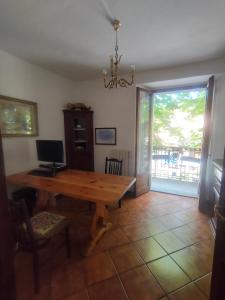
(176, 163)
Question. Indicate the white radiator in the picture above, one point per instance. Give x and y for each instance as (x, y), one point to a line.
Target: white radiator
(125, 156)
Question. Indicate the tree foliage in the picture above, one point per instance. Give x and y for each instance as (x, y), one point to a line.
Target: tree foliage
(178, 118)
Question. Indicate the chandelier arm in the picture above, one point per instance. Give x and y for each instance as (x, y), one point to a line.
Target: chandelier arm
(116, 49)
(112, 66)
(124, 83)
(109, 84)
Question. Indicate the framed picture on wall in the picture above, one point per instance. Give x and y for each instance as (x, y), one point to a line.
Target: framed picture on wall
(105, 136)
(18, 117)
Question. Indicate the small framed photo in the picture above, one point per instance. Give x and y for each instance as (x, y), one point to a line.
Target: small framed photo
(18, 117)
(105, 136)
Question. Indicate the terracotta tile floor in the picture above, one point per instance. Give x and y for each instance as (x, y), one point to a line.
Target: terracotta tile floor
(159, 247)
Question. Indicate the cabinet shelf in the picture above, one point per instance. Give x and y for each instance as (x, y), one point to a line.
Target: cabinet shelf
(80, 141)
(79, 129)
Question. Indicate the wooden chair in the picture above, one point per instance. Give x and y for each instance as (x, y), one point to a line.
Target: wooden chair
(114, 166)
(34, 233)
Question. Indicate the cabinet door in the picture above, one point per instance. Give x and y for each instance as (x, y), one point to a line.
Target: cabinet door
(68, 125)
(218, 271)
(79, 140)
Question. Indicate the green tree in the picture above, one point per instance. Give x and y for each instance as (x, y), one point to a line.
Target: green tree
(178, 118)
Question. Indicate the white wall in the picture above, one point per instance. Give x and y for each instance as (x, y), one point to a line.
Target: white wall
(112, 108)
(218, 128)
(22, 80)
(117, 107)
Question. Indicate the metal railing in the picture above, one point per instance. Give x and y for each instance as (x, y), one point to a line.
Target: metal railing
(178, 163)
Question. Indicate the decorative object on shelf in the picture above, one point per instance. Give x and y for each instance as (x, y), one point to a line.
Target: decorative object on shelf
(105, 136)
(18, 118)
(115, 81)
(77, 106)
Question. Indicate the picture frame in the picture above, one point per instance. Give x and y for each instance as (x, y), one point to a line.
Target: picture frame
(105, 136)
(18, 118)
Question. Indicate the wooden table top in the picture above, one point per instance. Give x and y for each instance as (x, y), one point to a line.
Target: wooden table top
(90, 186)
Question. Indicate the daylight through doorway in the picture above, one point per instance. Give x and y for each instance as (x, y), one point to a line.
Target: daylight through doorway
(177, 131)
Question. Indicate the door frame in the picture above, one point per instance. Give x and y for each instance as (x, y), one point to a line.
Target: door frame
(204, 201)
(210, 91)
(7, 275)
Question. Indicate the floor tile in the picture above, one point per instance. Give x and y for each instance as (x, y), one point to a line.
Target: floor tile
(187, 235)
(188, 292)
(202, 227)
(24, 277)
(66, 280)
(140, 284)
(83, 295)
(155, 226)
(194, 262)
(112, 238)
(149, 249)
(170, 221)
(136, 232)
(205, 247)
(125, 257)
(168, 274)
(28, 293)
(204, 284)
(116, 268)
(169, 241)
(98, 267)
(107, 289)
(190, 215)
(193, 232)
(126, 218)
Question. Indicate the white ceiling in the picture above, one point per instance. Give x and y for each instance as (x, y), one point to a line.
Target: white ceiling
(180, 82)
(75, 39)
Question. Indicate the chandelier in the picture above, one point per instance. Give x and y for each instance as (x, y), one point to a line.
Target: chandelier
(115, 81)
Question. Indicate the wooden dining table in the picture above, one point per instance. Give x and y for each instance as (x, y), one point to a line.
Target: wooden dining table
(102, 189)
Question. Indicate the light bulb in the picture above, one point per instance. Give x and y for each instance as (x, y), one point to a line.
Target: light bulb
(132, 67)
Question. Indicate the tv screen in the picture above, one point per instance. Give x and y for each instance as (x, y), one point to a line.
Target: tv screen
(50, 151)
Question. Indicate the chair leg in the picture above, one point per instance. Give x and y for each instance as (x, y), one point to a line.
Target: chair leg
(90, 206)
(67, 236)
(36, 274)
(120, 203)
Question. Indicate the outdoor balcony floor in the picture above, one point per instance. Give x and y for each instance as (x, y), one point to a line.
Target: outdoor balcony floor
(176, 187)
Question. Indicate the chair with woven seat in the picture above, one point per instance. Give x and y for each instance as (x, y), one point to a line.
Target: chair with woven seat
(32, 234)
(114, 166)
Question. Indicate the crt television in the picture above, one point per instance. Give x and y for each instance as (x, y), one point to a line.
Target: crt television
(50, 151)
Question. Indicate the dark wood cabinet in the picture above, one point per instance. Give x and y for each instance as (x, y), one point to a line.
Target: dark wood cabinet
(79, 139)
(217, 179)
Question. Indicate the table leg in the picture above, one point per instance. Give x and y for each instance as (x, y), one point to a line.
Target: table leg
(98, 227)
(44, 199)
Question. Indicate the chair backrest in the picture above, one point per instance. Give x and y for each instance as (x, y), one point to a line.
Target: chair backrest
(113, 166)
(29, 196)
(22, 224)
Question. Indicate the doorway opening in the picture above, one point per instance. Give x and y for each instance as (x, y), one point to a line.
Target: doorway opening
(177, 133)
